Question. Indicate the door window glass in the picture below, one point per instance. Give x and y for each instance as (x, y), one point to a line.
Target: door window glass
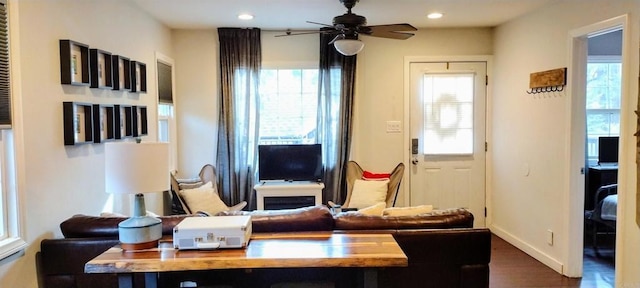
(448, 114)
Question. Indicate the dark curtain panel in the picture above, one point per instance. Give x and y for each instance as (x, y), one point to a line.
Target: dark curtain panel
(240, 63)
(335, 106)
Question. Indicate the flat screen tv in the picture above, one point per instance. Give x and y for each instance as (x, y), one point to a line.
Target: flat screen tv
(608, 150)
(290, 162)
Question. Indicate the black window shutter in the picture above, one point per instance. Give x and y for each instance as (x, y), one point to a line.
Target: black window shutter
(5, 92)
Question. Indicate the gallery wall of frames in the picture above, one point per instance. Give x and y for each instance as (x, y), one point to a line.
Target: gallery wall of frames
(81, 65)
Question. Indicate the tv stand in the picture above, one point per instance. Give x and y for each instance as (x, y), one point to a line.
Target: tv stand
(289, 194)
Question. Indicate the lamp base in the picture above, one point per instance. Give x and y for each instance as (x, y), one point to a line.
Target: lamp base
(141, 232)
(139, 246)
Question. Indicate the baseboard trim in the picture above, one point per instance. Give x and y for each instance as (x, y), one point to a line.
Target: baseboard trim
(526, 248)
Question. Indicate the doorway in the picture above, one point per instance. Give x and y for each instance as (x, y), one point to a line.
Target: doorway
(447, 133)
(579, 56)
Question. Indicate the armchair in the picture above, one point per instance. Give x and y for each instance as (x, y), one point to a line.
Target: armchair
(207, 174)
(354, 172)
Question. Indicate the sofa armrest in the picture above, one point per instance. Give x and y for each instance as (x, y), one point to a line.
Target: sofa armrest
(60, 263)
(441, 258)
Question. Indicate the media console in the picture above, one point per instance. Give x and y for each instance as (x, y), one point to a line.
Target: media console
(288, 195)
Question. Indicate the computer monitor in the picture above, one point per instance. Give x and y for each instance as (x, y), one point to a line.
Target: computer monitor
(608, 150)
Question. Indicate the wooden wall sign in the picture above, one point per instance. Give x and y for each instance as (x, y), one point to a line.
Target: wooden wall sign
(548, 81)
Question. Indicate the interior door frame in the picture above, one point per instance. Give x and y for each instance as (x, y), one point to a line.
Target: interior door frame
(576, 123)
(405, 189)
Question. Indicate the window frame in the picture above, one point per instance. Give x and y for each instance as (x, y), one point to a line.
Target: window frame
(12, 151)
(170, 119)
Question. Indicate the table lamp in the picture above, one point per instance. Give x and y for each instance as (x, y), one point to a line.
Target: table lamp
(136, 168)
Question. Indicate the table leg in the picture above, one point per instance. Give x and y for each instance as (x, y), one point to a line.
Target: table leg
(125, 280)
(370, 276)
(151, 280)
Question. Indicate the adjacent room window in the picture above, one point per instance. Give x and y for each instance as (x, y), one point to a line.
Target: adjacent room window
(603, 102)
(288, 106)
(448, 114)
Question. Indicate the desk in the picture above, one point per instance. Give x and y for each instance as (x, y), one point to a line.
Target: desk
(277, 250)
(598, 176)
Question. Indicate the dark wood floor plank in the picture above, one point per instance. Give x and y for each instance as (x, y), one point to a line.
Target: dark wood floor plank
(511, 268)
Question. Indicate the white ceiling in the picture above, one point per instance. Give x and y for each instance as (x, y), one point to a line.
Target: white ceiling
(293, 14)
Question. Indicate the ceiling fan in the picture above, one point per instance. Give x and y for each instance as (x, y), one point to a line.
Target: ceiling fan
(347, 27)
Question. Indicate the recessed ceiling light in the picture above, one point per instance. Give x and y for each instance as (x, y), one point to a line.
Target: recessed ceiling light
(435, 15)
(245, 16)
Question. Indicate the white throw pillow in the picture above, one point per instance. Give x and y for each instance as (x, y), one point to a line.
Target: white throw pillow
(407, 211)
(190, 185)
(375, 210)
(368, 193)
(204, 198)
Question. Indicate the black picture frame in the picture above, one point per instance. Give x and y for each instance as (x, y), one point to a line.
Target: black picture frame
(138, 77)
(103, 123)
(74, 63)
(123, 121)
(140, 125)
(101, 74)
(78, 123)
(121, 68)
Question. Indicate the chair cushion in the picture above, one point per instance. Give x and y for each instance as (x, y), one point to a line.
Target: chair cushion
(204, 198)
(368, 193)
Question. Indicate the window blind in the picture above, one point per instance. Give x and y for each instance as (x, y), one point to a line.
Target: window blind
(165, 94)
(5, 92)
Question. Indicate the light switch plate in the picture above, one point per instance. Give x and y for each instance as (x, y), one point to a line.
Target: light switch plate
(394, 127)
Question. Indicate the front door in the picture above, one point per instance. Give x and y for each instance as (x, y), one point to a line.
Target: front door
(447, 130)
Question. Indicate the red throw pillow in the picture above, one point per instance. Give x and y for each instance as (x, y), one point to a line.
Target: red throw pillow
(366, 175)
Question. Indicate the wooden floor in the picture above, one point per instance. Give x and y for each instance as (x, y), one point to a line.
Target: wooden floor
(511, 268)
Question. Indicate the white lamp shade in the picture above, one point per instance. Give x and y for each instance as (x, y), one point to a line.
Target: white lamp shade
(132, 168)
(348, 47)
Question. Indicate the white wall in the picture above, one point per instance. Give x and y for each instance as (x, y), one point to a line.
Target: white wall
(533, 131)
(196, 101)
(60, 181)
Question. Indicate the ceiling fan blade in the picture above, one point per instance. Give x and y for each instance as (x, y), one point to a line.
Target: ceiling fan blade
(392, 31)
(321, 24)
(289, 33)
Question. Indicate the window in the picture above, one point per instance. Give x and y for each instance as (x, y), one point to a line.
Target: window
(448, 114)
(602, 102)
(288, 106)
(166, 119)
(10, 240)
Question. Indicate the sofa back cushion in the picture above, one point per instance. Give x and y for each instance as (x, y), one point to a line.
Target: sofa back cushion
(437, 219)
(313, 218)
(83, 226)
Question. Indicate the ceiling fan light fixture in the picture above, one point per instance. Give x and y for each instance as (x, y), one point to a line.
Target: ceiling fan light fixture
(348, 47)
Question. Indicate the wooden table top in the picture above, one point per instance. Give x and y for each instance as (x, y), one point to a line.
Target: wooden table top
(277, 250)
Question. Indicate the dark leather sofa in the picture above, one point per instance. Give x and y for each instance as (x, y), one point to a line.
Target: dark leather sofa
(442, 247)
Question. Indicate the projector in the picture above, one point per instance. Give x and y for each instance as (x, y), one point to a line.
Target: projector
(201, 233)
